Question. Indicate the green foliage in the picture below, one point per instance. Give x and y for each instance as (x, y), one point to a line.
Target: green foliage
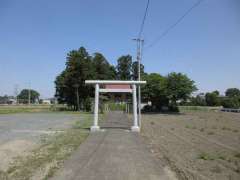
(102, 70)
(166, 91)
(232, 98)
(135, 70)
(124, 67)
(161, 91)
(206, 156)
(87, 104)
(198, 101)
(232, 102)
(232, 92)
(79, 67)
(24, 95)
(179, 87)
(116, 107)
(212, 99)
(155, 91)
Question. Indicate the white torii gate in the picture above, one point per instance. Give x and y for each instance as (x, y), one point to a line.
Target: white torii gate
(135, 126)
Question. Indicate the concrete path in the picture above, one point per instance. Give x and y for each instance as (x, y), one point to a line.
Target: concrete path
(114, 154)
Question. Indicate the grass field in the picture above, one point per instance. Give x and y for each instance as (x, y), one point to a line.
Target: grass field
(10, 109)
(198, 108)
(196, 144)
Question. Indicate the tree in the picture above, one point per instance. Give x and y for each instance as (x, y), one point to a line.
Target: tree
(230, 102)
(4, 99)
(70, 84)
(199, 100)
(135, 70)
(179, 87)
(79, 67)
(61, 93)
(124, 64)
(232, 92)
(212, 99)
(24, 96)
(155, 91)
(102, 69)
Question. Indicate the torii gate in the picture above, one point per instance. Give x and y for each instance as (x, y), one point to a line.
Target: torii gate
(132, 90)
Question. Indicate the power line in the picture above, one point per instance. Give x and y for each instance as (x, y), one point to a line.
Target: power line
(196, 4)
(143, 21)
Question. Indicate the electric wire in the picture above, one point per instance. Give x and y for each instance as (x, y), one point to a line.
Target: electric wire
(143, 21)
(196, 4)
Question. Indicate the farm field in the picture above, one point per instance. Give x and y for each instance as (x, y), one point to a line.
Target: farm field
(196, 144)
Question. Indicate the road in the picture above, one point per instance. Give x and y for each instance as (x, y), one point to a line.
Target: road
(113, 154)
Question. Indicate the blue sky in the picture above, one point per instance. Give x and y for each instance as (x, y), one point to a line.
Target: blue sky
(35, 37)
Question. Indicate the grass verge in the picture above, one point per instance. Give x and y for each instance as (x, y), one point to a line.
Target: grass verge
(10, 109)
(42, 162)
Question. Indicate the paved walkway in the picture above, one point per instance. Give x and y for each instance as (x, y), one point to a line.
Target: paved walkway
(114, 154)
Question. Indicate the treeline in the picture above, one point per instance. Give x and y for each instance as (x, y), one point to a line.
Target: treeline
(231, 99)
(6, 99)
(21, 98)
(162, 91)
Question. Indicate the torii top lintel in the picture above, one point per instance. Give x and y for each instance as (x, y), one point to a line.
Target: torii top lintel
(114, 82)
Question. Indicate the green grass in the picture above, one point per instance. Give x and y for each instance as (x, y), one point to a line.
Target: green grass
(206, 156)
(24, 109)
(212, 156)
(187, 126)
(11, 109)
(116, 107)
(197, 108)
(49, 156)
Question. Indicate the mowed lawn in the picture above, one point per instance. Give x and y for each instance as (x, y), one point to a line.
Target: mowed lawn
(196, 144)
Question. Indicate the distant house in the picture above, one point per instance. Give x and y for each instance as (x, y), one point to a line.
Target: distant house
(46, 101)
(12, 101)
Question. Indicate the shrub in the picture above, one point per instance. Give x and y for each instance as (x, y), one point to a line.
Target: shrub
(233, 103)
(147, 108)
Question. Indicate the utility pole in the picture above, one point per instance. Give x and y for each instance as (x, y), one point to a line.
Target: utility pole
(139, 58)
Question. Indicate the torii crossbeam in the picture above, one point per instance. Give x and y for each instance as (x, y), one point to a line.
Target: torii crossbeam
(132, 90)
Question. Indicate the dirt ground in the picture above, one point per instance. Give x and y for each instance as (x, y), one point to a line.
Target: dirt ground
(20, 133)
(196, 145)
